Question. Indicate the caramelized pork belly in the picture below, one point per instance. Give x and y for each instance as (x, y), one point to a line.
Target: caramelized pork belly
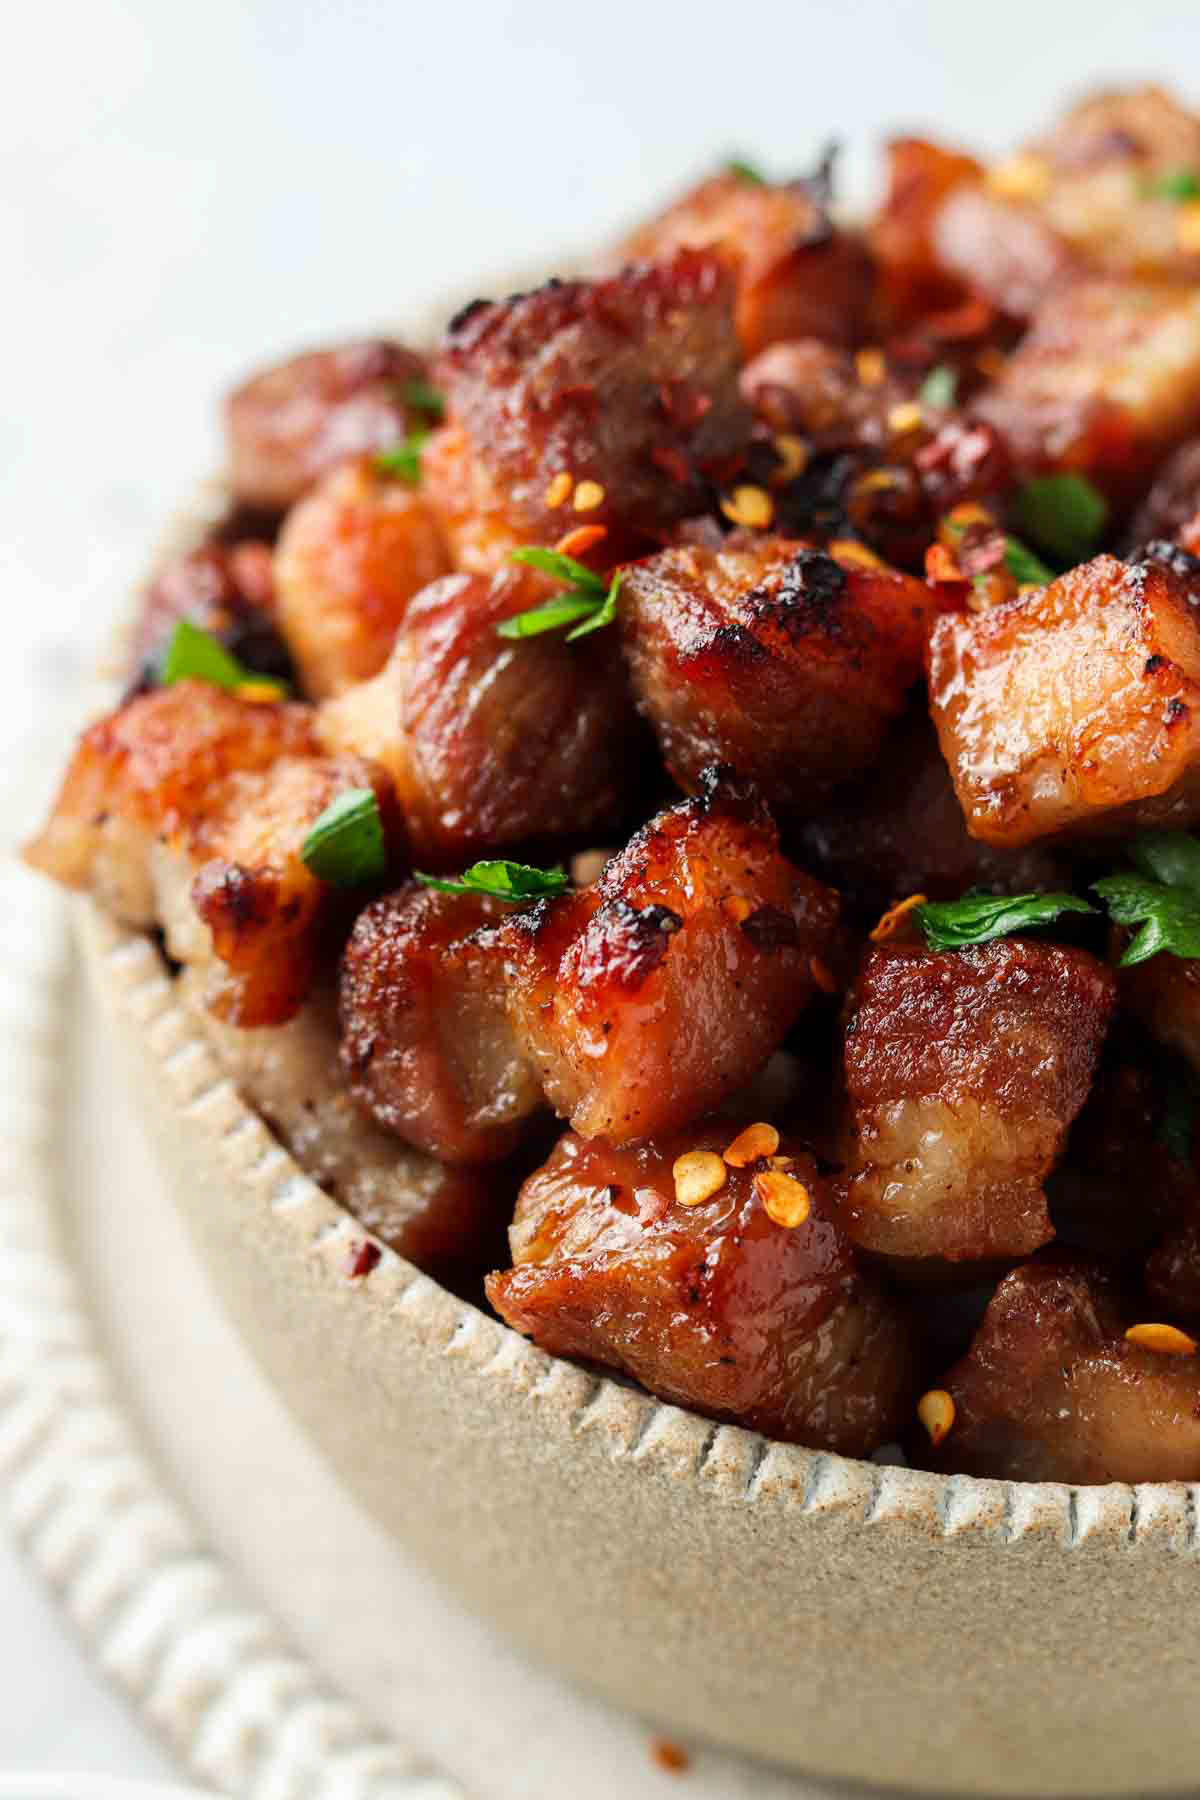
(648, 998)
(425, 1036)
(1073, 708)
(1164, 993)
(492, 742)
(783, 661)
(964, 1070)
(288, 424)
(443, 1219)
(1098, 191)
(912, 279)
(350, 558)
(1172, 1272)
(1173, 501)
(609, 403)
(188, 808)
(227, 590)
(469, 508)
(1105, 383)
(713, 1305)
(1051, 1390)
(797, 274)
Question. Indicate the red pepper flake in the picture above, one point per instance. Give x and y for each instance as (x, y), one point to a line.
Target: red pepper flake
(673, 463)
(583, 538)
(363, 1260)
(671, 1757)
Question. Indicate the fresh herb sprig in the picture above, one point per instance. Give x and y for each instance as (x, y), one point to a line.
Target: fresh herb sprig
(1174, 184)
(939, 387)
(746, 171)
(1161, 896)
(195, 655)
(1019, 559)
(515, 882)
(1063, 514)
(587, 602)
(346, 846)
(979, 918)
(423, 397)
(403, 460)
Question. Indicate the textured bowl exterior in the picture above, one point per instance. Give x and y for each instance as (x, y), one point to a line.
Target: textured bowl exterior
(875, 1624)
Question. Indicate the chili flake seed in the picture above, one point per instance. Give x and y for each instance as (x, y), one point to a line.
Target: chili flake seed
(822, 976)
(1164, 1340)
(905, 418)
(698, 1175)
(259, 693)
(580, 539)
(876, 481)
(782, 1162)
(785, 1200)
(749, 1145)
(1023, 177)
(793, 454)
(936, 1413)
(588, 496)
(747, 505)
(559, 490)
(871, 367)
(737, 908)
(941, 564)
(363, 1260)
(672, 1757)
(849, 550)
(1187, 226)
(895, 916)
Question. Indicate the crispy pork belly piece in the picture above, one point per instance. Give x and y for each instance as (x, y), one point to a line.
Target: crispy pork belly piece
(1051, 1390)
(647, 999)
(1073, 708)
(288, 424)
(443, 1219)
(964, 1070)
(1172, 1272)
(469, 508)
(903, 833)
(1106, 382)
(426, 1040)
(912, 279)
(491, 741)
(350, 557)
(1173, 501)
(1164, 993)
(609, 403)
(227, 590)
(798, 275)
(1094, 193)
(711, 1305)
(787, 663)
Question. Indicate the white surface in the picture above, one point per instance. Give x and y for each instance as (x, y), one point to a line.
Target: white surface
(185, 188)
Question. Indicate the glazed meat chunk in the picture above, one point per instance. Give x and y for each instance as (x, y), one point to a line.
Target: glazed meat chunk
(783, 661)
(288, 424)
(446, 1220)
(964, 1070)
(1105, 383)
(610, 403)
(912, 278)
(1072, 708)
(1164, 993)
(647, 999)
(491, 741)
(1099, 191)
(797, 274)
(227, 590)
(1171, 508)
(712, 1305)
(1051, 1389)
(425, 1035)
(350, 558)
(1172, 1273)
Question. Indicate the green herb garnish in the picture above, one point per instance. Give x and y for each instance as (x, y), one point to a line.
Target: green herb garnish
(512, 881)
(746, 171)
(403, 460)
(1175, 184)
(939, 387)
(1163, 896)
(1063, 514)
(346, 847)
(195, 655)
(586, 598)
(1019, 559)
(422, 397)
(978, 918)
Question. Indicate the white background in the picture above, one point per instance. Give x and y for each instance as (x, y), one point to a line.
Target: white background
(187, 188)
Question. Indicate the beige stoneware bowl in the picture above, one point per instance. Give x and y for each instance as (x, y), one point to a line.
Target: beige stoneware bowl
(864, 1623)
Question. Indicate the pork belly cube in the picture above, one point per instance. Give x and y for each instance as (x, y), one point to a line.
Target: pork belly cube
(1172, 1272)
(903, 832)
(646, 999)
(227, 590)
(1105, 383)
(1073, 708)
(147, 772)
(711, 1305)
(469, 508)
(964, 1070)
(609, 403)
(286, 425)
(350, 557)
(492, 742)
(782, 661)
(1096, 192)
(912, 280)
(445, 1220)
(1164, 993)
(425, 1036)
(1173, 502)
(1051, 1390)
(798, 275)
